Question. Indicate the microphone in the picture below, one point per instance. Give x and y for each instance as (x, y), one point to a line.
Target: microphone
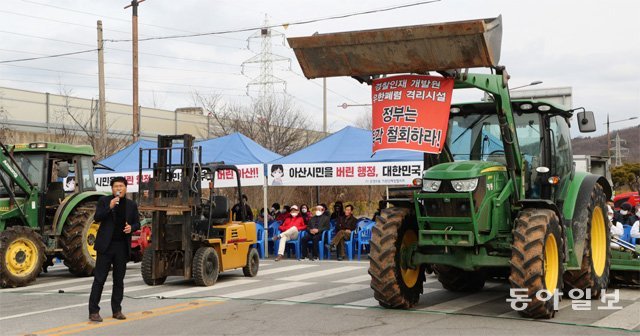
(118, 196)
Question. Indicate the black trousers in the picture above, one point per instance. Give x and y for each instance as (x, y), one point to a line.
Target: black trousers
(116, 255)
(305, 244)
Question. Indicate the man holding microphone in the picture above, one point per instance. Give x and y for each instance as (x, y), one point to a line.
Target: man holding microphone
(118, 217)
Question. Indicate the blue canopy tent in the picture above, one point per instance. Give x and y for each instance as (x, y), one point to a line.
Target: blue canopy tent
(350, 144)
(126, 160)
(235, 149)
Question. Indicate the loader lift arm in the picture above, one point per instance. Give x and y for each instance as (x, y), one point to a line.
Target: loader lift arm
(11, 175)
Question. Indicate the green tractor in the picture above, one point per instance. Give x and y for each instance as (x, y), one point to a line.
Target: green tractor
(502, 198)
(39, 221)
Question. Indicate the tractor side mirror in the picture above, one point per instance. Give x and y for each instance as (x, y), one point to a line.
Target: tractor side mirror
(586, 122)
(63, 169)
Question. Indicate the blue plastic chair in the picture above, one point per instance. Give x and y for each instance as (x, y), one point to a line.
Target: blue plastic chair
(295, 242)
(364, 237)
(273, 231)
(351, 244)
(626, 236)
(261, 239)
(310, 245)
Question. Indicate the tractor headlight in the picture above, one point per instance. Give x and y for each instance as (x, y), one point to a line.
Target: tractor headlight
(465, 185)
(431, 185)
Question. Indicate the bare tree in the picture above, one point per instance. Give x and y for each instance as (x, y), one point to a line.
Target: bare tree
(275, 123)
(5, 131)
(77, 126)
(364, 120)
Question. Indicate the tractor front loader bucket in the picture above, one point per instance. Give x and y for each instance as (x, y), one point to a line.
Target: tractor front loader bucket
(410, 49)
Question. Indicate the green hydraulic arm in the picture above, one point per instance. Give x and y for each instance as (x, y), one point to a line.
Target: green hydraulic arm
(25, 209)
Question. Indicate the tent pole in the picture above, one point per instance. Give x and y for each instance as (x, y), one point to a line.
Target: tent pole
(387, 189)
(265, 218)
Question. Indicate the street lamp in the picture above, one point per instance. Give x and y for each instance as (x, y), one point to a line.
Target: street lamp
(530, 84)
(609, 137)
(345, 105)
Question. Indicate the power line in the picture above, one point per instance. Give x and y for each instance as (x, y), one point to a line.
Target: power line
(241, 30)
(119, 19)
(49, 56)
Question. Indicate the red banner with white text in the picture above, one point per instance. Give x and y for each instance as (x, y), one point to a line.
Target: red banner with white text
(411, 112)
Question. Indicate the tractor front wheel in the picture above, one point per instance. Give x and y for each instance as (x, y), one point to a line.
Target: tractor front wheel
(205, 266)
(21, 256)
(536, 261)
(78, 239)
(394, 285)
(594, 270)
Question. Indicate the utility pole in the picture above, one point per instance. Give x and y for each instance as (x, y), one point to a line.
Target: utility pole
(101, 100)
(608, 139)
(134, 32)
(324, 105)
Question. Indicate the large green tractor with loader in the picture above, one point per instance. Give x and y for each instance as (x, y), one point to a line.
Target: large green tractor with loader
(502, 198)
(39, 221)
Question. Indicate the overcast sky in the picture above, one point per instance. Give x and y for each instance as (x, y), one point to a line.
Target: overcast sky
(592, 46)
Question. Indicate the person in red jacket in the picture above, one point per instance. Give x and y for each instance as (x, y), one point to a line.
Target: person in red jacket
(290, 228)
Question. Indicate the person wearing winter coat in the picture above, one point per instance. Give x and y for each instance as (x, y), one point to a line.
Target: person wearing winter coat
(316, 226)
(289, 229)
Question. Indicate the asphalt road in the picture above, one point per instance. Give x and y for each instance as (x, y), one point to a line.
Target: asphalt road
(291, 298)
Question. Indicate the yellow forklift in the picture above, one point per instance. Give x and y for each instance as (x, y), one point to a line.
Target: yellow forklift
(192, 235)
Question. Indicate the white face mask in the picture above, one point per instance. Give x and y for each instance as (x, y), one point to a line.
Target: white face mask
(273, 209)
(611, 218)
(304, 210)
(624, 212)
(638, 214)
(294, 214)
(318, 213)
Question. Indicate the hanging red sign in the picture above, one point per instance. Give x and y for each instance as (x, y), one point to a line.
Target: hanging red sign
(411, 112)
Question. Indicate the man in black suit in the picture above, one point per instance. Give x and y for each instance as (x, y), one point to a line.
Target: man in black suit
(118, 217)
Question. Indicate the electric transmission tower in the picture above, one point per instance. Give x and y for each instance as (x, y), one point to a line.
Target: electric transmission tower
(266, 80)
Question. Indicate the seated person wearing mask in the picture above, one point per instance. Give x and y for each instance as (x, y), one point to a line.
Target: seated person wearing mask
(316, 226)
(289, 229)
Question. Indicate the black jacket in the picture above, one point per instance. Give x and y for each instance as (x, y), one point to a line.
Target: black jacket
(106, 217)
(319, 222)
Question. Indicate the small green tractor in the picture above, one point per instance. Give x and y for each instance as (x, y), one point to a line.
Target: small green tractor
(39, 221)
(502, 198)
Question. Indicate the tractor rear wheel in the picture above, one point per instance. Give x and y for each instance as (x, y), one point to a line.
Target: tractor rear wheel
(458, 280)
(394, 285)
(536, 260)
(146, 268)
(78, 239)
(253, 263)
(594, 270)
(205, 266)
(21, 256)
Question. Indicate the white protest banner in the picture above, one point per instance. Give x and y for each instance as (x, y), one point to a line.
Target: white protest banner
(250, 175)
(327, 174)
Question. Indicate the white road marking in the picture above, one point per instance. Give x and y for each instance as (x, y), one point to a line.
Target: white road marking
(264, 290)
(623, 318)
(468, 300)
(318, 274)
(197, 289)
(46, 284)
(108, 283)
(323, 294)
(356, 279)
(284, 269)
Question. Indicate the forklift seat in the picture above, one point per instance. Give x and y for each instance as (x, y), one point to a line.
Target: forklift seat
(220, 213)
